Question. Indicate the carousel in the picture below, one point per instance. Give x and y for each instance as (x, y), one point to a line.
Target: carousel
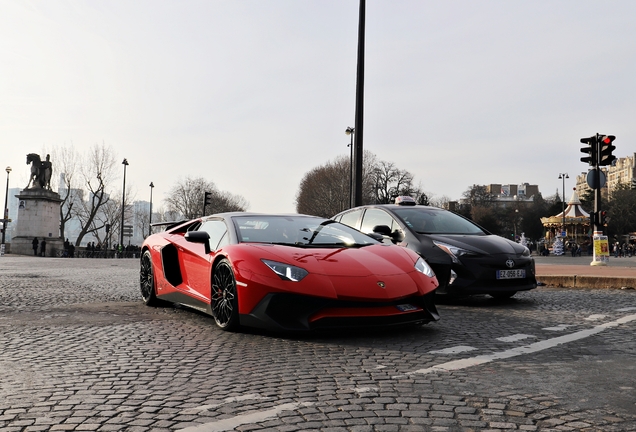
(577, 224)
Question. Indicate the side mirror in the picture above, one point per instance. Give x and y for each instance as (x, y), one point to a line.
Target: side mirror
(199, 237)
(382, 230)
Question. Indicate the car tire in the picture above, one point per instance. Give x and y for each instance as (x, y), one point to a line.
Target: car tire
(224, 301)
(147, 280)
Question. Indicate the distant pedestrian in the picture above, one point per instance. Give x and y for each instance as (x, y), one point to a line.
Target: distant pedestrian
(43, 247)
(35, 243)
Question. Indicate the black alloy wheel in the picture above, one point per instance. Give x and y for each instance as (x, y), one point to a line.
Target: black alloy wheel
(147, 280)
(224, 297)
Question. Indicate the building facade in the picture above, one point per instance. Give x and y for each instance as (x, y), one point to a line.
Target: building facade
(622, 172)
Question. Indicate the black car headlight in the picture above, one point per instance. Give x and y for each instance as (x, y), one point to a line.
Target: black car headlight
(286, 271)
(453, 251)
(526, 252)
(423, 267)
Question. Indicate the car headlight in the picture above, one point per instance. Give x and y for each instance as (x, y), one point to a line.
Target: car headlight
(454, 251)
(423, 267)
(285, 271)
(526, 252)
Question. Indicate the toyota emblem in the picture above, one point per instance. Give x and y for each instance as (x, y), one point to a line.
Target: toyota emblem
(510, 263)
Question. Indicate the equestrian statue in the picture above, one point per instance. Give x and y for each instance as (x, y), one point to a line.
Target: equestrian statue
(40, 172)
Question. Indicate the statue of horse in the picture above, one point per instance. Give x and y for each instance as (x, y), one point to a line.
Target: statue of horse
(36, 163)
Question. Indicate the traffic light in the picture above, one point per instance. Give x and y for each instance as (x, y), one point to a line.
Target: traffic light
(590, 150)
(207, 200)
(633, 184)
(602, 217)
(593, 219)
(128, 231)
(605, 149)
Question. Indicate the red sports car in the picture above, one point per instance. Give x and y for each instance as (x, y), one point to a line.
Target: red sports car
(285, 272)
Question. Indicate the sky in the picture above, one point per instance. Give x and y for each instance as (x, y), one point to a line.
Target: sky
(253, 94)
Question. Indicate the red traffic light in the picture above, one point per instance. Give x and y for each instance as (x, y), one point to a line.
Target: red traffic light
(605, 149)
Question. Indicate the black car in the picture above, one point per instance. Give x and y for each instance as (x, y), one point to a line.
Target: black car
(466, 258)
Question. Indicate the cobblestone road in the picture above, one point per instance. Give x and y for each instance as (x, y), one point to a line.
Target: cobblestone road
(80, 352)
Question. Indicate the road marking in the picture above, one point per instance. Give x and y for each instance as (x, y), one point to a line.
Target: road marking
(454, 350)
(595, 317)
(627, 309)
(197, 410)
(527, 349)
(515, 338)
(231, 423)
(560, 327)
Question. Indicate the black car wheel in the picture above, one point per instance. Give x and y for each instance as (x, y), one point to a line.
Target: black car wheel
(224, 298)
(147, 280)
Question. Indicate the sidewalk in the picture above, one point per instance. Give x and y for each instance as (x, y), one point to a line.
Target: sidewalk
(576, 272)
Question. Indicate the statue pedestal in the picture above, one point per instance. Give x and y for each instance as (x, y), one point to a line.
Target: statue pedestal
(38, 216)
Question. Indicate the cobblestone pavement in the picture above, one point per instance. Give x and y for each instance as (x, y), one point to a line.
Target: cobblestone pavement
(80, 352)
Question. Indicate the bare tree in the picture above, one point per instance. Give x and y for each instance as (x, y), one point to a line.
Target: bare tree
(65, 160)
(187, 198)
(391, 182)
(142, 219)
(97, 173)
(324, 191)
(441, 202)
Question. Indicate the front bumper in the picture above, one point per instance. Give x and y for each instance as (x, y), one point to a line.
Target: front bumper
(292, 312)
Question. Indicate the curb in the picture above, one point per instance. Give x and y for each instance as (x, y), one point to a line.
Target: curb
(583, 281)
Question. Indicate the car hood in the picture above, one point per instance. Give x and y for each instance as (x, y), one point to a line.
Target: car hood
(483, 244)
(379, 272)
(378, 260)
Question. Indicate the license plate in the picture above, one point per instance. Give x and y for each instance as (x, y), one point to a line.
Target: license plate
(511, 274)
(406, 307)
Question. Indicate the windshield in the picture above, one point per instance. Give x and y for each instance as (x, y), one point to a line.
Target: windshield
(302, 231)
(427, 220)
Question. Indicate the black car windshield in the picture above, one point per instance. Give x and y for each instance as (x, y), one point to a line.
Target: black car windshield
(300, 231)
(427, 220)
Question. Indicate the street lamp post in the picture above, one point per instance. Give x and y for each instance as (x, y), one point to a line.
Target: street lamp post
(150, 217)
(350, 131)
(5, 215)
(563, 176)
(123, 206)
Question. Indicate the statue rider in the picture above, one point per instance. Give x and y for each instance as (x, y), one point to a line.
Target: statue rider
(45, 173)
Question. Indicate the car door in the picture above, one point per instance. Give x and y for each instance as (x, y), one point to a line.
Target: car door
(197, 263)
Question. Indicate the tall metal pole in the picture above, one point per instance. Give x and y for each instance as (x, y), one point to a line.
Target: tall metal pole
(563, 176)
(350, 131)
(150, 218)
(598, 227)
(357, 195)
(5, 216)
(123, 206)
